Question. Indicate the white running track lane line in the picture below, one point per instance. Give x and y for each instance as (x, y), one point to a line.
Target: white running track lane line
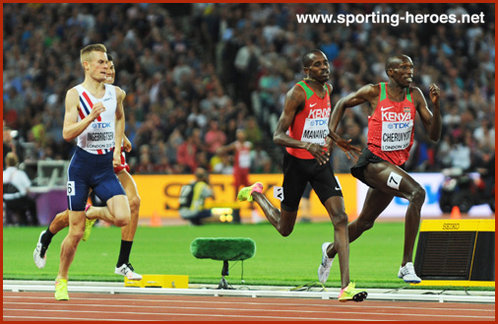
(239, 309)
(224, 302)
(214, 316)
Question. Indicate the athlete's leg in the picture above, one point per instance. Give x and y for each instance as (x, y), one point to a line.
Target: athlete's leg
(100, 212)
(119, 208)
(339, 218)
(375, 203)
(70, 242)
(128, 231)
(394, 181)
(107, 214)
(130, 187)
(283, 220)
(236, 183)
(60, 221)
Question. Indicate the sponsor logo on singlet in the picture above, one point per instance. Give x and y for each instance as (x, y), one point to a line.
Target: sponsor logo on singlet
(316, 127)
(396, 130)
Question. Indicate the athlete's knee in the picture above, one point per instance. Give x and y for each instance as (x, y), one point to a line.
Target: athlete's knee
(76, 234)
(340, 219)
(134, 203)
(364, 225)
(418, 195)
(122, 221)
(285, 230)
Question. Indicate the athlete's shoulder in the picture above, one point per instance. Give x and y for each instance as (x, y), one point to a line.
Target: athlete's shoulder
(73, 92)
(370, 89)
(75, 88)
(414, 89)
(120, 93)
(416, 93)
(329, 87)
(297, 92)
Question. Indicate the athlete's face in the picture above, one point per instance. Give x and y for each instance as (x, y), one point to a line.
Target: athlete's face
(111, 73)
(97, 66)
(241, 135)
(403, 72)
(319, 68)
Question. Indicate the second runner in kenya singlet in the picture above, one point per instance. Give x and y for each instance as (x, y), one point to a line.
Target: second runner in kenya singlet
(310, 124)
(390, 128)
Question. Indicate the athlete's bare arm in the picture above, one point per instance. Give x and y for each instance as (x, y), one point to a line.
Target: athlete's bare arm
(368, 93)
(120, 126)
(72, 127)
(431, 120)
(126, 144)
(226, 148)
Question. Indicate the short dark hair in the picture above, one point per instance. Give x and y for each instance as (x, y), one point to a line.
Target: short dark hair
(308, 57)
(109, 57)
(393, 61)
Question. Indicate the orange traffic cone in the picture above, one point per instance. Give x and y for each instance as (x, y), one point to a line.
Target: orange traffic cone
(455, 213)
(155, 219)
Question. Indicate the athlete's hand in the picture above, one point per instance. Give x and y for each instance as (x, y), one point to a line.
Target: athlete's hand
(351, 151)
(116, 158)
(434, 93)
(97, 109)
(126, 144)
(320, 153)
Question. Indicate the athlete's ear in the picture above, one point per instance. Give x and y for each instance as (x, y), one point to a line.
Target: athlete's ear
(85, 65)
(306, 70)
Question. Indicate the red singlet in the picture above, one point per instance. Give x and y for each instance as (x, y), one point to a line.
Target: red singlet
(390, 128)
(310, 124)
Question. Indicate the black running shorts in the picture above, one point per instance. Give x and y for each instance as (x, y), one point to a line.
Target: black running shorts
(366, 157)
(297, 172)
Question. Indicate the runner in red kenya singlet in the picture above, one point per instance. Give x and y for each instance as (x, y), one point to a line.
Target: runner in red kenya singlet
(390, 137)
(311, 124)
(390, 128)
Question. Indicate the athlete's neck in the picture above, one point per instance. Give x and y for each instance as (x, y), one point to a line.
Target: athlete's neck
(395, 86)
(92, 85)
(395, 91)
(308, 80)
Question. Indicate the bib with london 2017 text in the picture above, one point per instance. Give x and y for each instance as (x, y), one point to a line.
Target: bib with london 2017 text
(310, 125)
(390, 128)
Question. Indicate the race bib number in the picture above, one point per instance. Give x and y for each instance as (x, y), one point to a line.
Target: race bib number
(394, 180)
(71, 189)
(396, 135)
(278, 192)
(315, 130)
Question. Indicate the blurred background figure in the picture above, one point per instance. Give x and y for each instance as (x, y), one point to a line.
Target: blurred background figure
(192, 197)
(16, 200)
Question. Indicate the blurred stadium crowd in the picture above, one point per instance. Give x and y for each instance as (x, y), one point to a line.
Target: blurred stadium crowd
(195, 73)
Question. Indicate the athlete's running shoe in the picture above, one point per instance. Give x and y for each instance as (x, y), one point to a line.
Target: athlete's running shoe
(407, 273)
(88, 228)
(88, 225)
(127, 270)
(350, 293)
(39, 254)
(324, 268)
(245, 193)
(61, 289)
